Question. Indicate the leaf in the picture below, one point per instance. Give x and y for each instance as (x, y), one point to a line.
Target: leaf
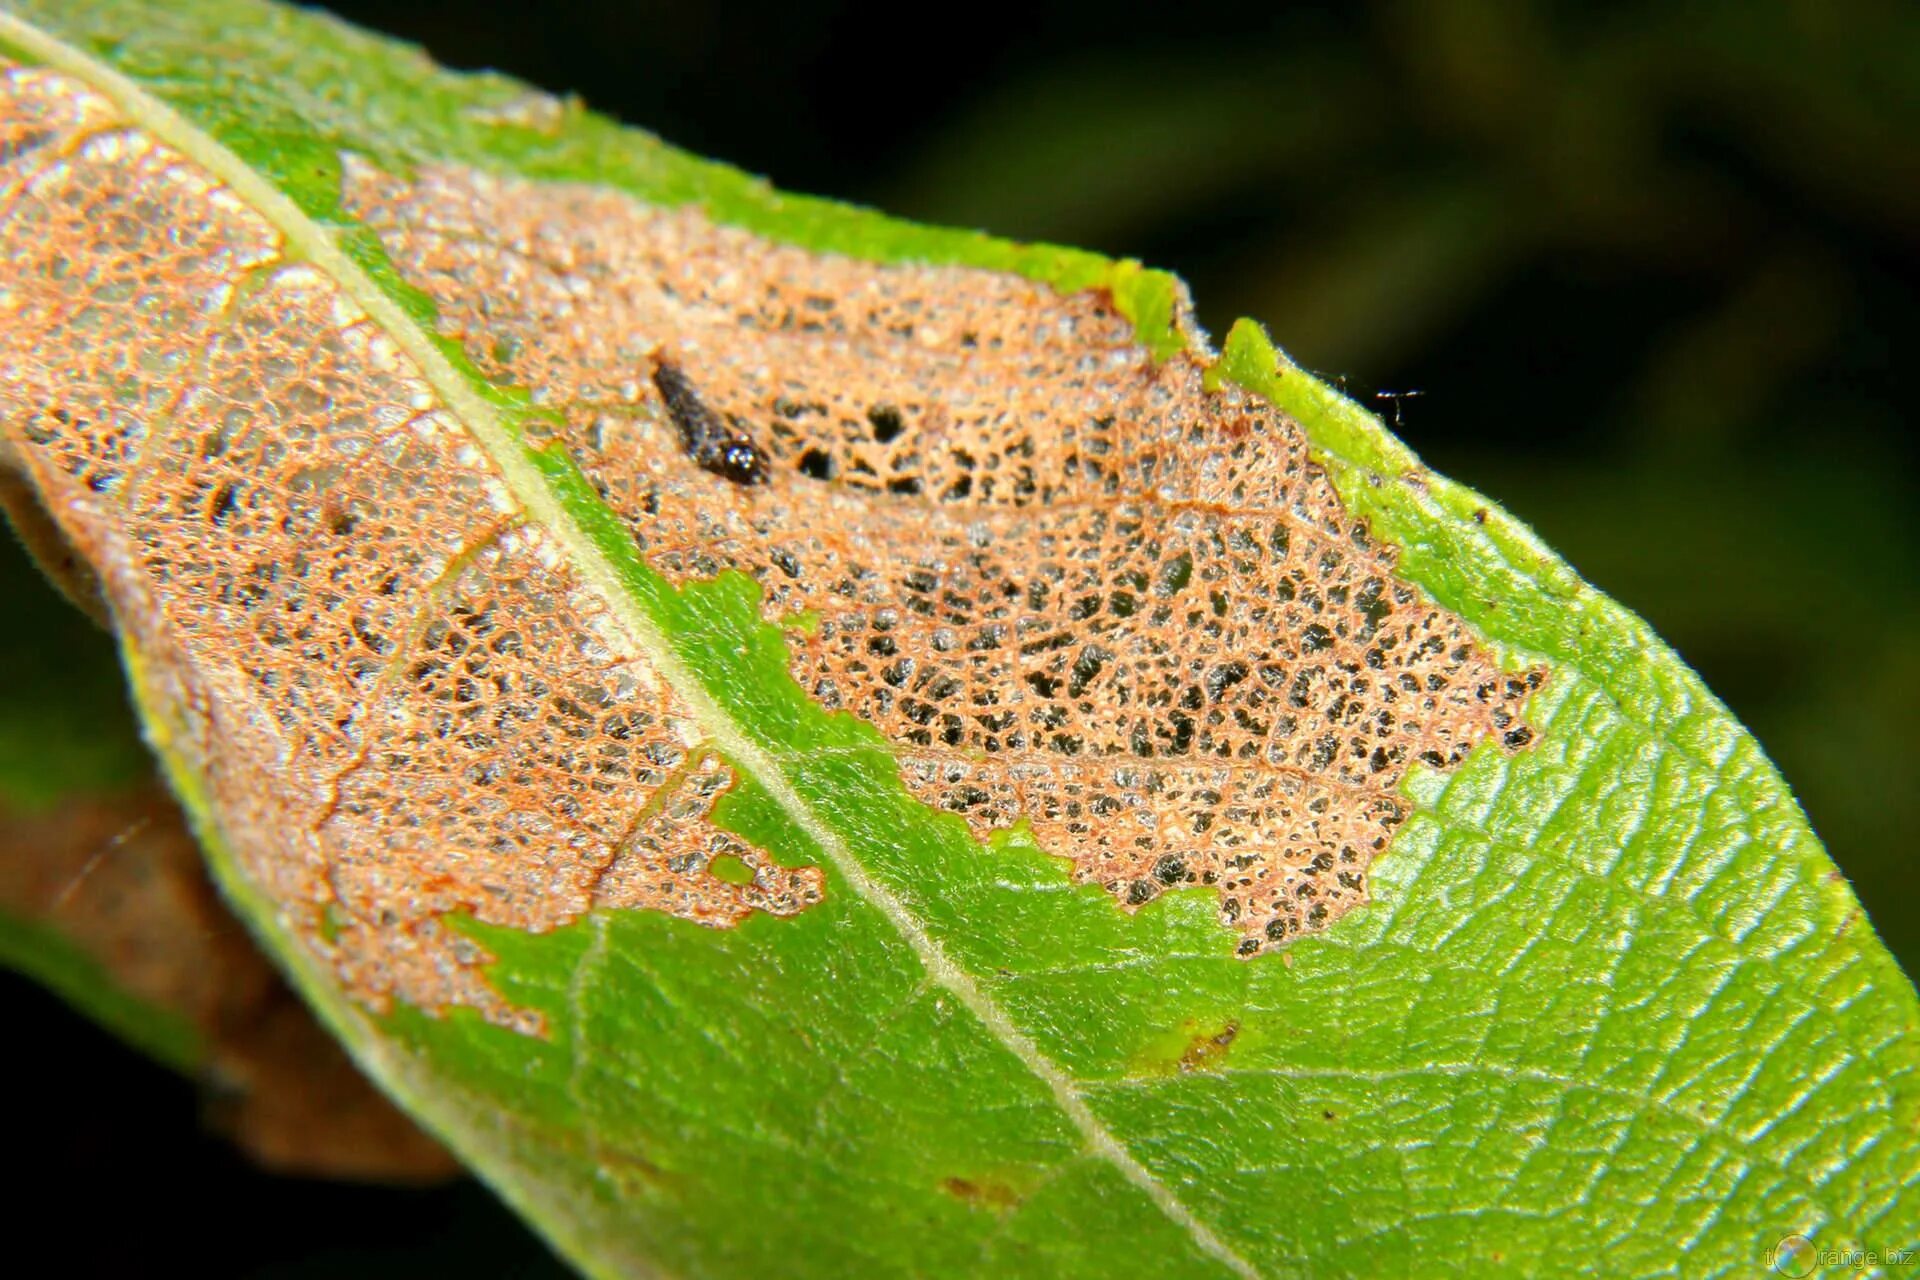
(105, 900)
(1272, 861)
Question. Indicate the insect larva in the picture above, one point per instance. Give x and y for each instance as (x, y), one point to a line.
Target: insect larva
(713, 443)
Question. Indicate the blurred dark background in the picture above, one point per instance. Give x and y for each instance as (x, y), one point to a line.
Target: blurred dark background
(1651, 268)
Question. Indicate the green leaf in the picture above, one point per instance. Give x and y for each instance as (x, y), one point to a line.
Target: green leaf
(513, 573)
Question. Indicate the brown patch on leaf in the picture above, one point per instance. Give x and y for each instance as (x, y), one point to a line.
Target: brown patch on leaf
(1063, 582)
(1205, 1050)
(983, 1193)
(121, 879)
(399, 698)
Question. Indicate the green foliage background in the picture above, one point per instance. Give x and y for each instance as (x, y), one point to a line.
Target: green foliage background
(1651, 266)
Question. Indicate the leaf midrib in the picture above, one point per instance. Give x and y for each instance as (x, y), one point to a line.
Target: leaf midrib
(312, 243)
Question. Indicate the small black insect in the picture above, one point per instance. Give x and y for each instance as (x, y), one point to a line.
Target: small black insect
(714, 444)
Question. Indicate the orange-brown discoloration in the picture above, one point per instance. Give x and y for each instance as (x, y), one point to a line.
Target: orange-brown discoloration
(983, 1193)
(399, 698)
(1064, 582)
(1207, 1049)
(120, 878)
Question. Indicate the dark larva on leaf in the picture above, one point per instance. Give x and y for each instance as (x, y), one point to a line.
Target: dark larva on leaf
(714, 444)
(739, 460)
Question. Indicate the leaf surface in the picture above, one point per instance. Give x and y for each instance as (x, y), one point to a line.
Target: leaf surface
(105, 900)
(1275, 862)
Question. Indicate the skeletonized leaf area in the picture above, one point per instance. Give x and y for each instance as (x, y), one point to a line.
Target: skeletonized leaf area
(1067, 583)
(397, 693)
